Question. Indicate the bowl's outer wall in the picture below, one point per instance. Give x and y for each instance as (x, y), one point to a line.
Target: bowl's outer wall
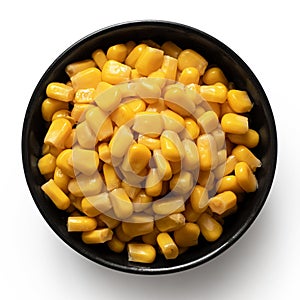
(215, 52)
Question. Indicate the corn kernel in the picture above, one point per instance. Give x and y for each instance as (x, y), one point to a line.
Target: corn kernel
(209, 227)
(139, 156)
(115, 72)
(214, 93)
(171, 146)
(63, 162)
(148, 123)
(231, 161)
(136, 105)
(229, 183)
(181, 183)
(74, 68)
(169, 67)
(104, 153)
(208, 121)
(116, 245)
(133, 56)
(122, 115)
(151, 143)
(153, 185)
(60, 91)
(61, 179)
(167, 246)
(141, 201)
(117, 52)
(81, 223)
(187, 236)
(239, 101)
(172, 121)
(199, 199)
(242, 153)
(50, 106)
(88, 78)
(190, 58)
(79, 110)
(171, 49)
(142, 253)
(85, 161)
(245, 177)
(109, 99)
(97, 236)
(92, 206)
(132, 191)
(120, 141)
(85, 136)
(167, 206)
(157, 106)
(192, 129)
(207, 152)
(170, 223)
(99, 57)
(85, 96)
(109, 221)
(222, 202)
(189, 75)
(214, 75)
(163, 167)
(138, 225)
(151, 237)
(111, 177)
(122, 206)
(47, 164)
(250, 139)
(234, 123)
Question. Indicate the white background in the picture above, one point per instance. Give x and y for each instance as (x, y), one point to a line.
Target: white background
(263, 264)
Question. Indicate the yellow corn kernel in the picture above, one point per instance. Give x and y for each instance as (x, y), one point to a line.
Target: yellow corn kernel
(171, 146)
(216, 107)
(151, 143)
(229, 146)
(47, 164)
(157, 74)
(122, 206)
(88, 78)
(207, 148)
(61, 179)
(209, 227)
(231, 161)
(138, 225)
(192, 129)
(101, 87)
(189, 75)
(191, 155)
(85, 136)
(219, 136)
(111, 177)
(50, 106)
(135, 74)
(199, 199)
(148, 89)
(115, 72)
(97, 236)
(153, 185)
(92, 206)
(171, 49)
(222, 202)
(85, 96)
(142, 253)
(116, 245)
(136, 105)
(239, 101)
(117, 52)
(104, 153)
(208, 121)
(60, 91)
(170, 223)
(85, 161)
(151, 237)
(167, 246)
(190, 58)
(214, 75)
(58, 132)
(206, 179)
(109, 221)
(225, 108)
(132, 191)
(139, 156)
(109, 99)
(122, 115)
(130, 46)
(172, 121)
(163, 167)
(148, 123)
(141, 201)
(120, 141)
(81, 223)
(229, 183)
(149, 60)
(167, 206)
(121, 235)
(79, 110)
(63, 113)
(245, 177)
(250, 139)
(133, 56)
(58, 197)
(189, 214)
(74, 68)
(214, 93)
(157, 106)
(63, 161)
(99, 57)
(169, 67)
(181, 183)
(187, 236)
(175, 166)
(242, 153)
(234, 123)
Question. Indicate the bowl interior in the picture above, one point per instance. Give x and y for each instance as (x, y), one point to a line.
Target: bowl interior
(215, 52)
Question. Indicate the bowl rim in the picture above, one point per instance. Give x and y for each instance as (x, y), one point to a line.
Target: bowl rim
(238, 234)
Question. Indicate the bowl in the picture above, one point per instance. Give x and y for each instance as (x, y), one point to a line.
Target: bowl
(215, 52)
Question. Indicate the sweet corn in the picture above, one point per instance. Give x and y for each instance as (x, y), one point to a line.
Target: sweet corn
(111, 178)
(151, 237)
(229, 183)
(85, 161)
(148, 89)
(47, 164)
(61, 179)
(192, 129)
(234, 123)
(139, 156)
(187, 236)
(175, 166)
(136, 105)
(208, 121)
(182, 183)
(225, 108)
(120, 141)
(132, 191)
(58, 197)
(167, 246)
(169, 67)
(117, 52)
(133, 56)
(189, 214)
(85, 96)
(209, 227)
(163, 167)
(74, 68)
(109, 221)
(219, 136)
(231, 161)
(116, 245)
(79, 110)
(141, 201)
(207, 152)
(142, 253)
(81, 223)
(172, 121)
(122, 115)
(242, 153)
(97, 236)
(88, 78)
(167, 206)
(245, 177)
(115, 72)
(206, 179)
(170, 223)
(150, 143)
(214, 75)
(99, 57)
(171, 146)
(148, 123)
(250, 139)
(157, 106)
(135, 74)
(216, 107)
(122, 206)
(63, 161)
(138, 225)
(92, 206)
(189, 75)
(153, 185)
(60, 91)
(190, 58)
(171, 49)
(85, 136)
(214, 93)
(63, 113)
(104, 153)
(239, 101)
(149, 60)
(50, 106)
(121, 235)
(222, 202)
(199, 199)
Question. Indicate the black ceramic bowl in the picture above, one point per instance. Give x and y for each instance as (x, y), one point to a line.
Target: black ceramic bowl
(216, 53)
